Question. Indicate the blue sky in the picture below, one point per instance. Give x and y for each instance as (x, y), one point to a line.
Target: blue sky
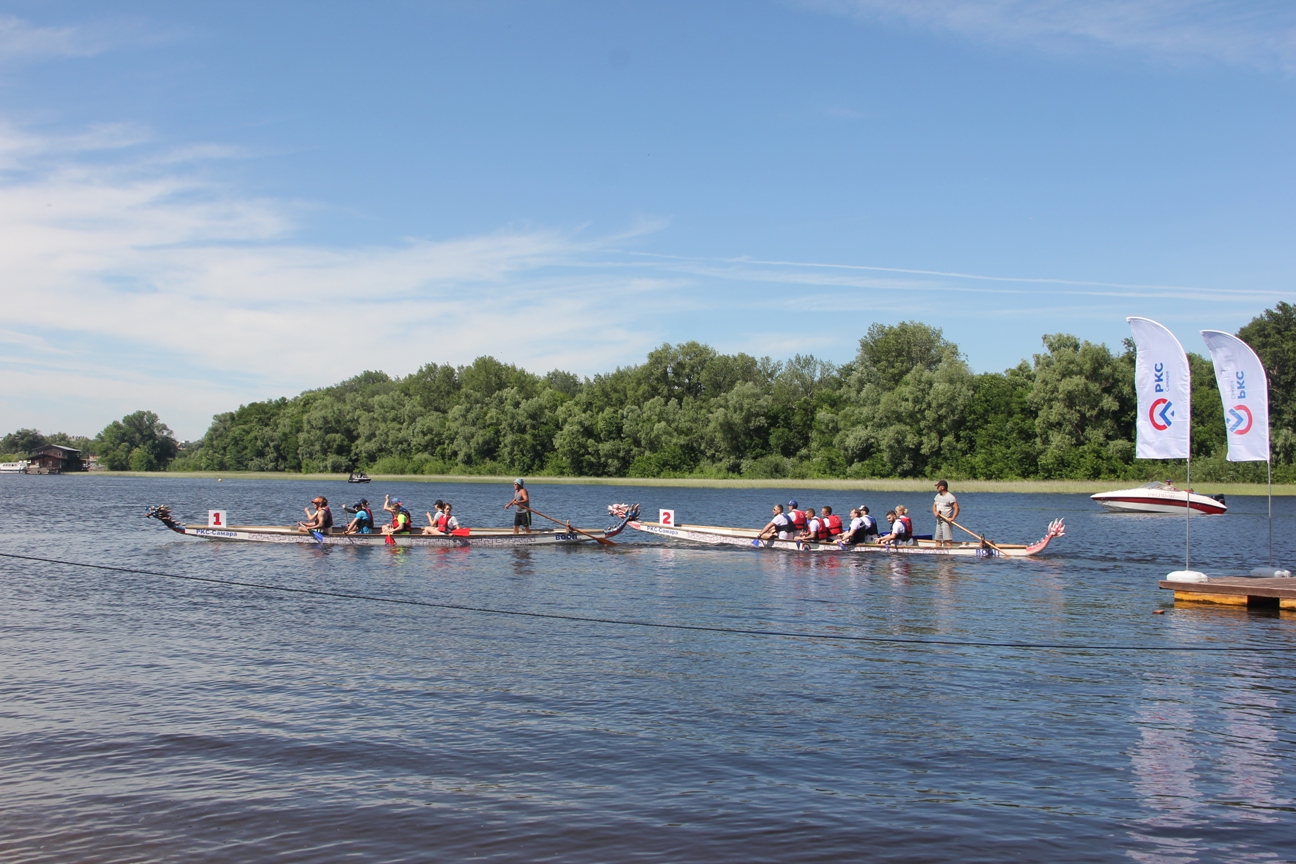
(203, 205)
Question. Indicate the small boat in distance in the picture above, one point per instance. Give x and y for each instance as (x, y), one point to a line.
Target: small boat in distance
(1158, 497)
(358, 477)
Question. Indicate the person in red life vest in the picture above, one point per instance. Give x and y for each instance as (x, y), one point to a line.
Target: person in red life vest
(811, 532)
(320, 520)
(400, 523)
(830, 526)
(796, 522)
(903, 512)
(436, 522)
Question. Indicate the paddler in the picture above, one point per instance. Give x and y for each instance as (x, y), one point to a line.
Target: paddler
(522, 504)
(811, 533)
(400, 523)
(781, 525)
(321, 519)
(945, 508)
(363, 522)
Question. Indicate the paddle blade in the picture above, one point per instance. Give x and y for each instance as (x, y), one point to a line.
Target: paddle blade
(390, 541)
(461, 532)
(319, 538)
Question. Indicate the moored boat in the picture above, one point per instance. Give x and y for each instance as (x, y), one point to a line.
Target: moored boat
(1158, 497)
(748, 537)
(485, 537)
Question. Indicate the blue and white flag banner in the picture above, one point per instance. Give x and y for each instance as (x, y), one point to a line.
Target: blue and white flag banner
(1244, 387)
(1163, 381)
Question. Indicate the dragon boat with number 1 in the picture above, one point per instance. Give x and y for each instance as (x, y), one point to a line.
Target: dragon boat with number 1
(748, 537)
(561, 536)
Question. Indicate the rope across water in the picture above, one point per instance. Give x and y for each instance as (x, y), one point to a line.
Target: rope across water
(621, 622)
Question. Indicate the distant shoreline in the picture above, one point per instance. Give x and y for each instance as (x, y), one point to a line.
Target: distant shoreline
(1087, 487)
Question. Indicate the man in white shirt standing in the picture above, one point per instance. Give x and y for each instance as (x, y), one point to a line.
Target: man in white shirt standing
(945, 508)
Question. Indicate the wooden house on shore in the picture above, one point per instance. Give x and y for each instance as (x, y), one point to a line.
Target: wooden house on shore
(55, 459)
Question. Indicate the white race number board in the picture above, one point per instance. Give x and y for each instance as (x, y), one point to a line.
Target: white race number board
(666, 517)
(216, 519)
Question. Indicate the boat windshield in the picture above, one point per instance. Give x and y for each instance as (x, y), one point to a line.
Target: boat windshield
(1157, 484)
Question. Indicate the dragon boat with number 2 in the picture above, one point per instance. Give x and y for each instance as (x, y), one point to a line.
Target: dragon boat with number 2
(747, 537)
(464, 537)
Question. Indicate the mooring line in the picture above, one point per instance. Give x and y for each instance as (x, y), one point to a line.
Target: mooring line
(623, 622)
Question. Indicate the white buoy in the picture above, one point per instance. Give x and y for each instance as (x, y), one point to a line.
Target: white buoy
(1270, 573)
(1186, 576)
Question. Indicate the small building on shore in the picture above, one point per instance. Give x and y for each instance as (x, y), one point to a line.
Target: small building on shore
(55, 459)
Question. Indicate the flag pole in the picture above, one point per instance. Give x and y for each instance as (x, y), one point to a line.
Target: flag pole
(1269, 465)
(1188, 504)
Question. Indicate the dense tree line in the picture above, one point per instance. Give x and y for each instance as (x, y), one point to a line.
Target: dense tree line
(906, 406)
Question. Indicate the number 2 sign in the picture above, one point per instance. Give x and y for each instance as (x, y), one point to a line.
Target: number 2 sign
(666, 517)
(216, 519)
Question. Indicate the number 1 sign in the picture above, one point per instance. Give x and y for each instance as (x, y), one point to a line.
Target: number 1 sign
(216, 519)
(666, 517)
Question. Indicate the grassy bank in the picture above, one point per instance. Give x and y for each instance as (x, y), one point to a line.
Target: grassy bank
(1077, 487)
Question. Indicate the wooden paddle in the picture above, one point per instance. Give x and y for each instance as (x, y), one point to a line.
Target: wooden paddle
(980, 537)
(602, 540)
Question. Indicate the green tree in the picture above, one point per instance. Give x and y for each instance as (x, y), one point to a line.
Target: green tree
(138, 442)
(1272, 335)
(23, 441)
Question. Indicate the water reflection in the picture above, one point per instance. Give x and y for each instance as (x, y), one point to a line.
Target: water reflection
(1164, 762)
(1250, 761)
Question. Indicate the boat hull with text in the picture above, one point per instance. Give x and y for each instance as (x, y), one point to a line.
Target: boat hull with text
(476, 537)
(748, 538)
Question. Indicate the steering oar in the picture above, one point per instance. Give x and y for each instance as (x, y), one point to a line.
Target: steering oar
(602, 540)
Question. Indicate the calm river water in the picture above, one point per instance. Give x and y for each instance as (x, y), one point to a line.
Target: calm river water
(148, 718)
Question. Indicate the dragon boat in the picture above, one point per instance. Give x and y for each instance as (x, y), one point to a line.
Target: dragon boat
(485, 537)
(750, 538)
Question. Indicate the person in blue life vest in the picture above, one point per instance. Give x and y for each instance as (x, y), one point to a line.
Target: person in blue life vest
(363, 522)
(522, 504)
(321, 519)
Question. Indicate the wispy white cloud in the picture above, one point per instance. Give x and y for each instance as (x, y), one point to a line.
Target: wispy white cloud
(142, 269)
(1255, 34)
(21, 40)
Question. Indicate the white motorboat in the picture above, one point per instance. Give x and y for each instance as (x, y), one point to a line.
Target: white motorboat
(1160, 497)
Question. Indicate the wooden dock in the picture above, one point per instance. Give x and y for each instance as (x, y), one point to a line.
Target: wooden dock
(1237, 591)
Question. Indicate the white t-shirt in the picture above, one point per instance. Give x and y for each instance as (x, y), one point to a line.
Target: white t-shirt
(813, 526)
(859, 522)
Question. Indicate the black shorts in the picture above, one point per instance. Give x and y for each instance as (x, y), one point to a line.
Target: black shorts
(522, 519)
